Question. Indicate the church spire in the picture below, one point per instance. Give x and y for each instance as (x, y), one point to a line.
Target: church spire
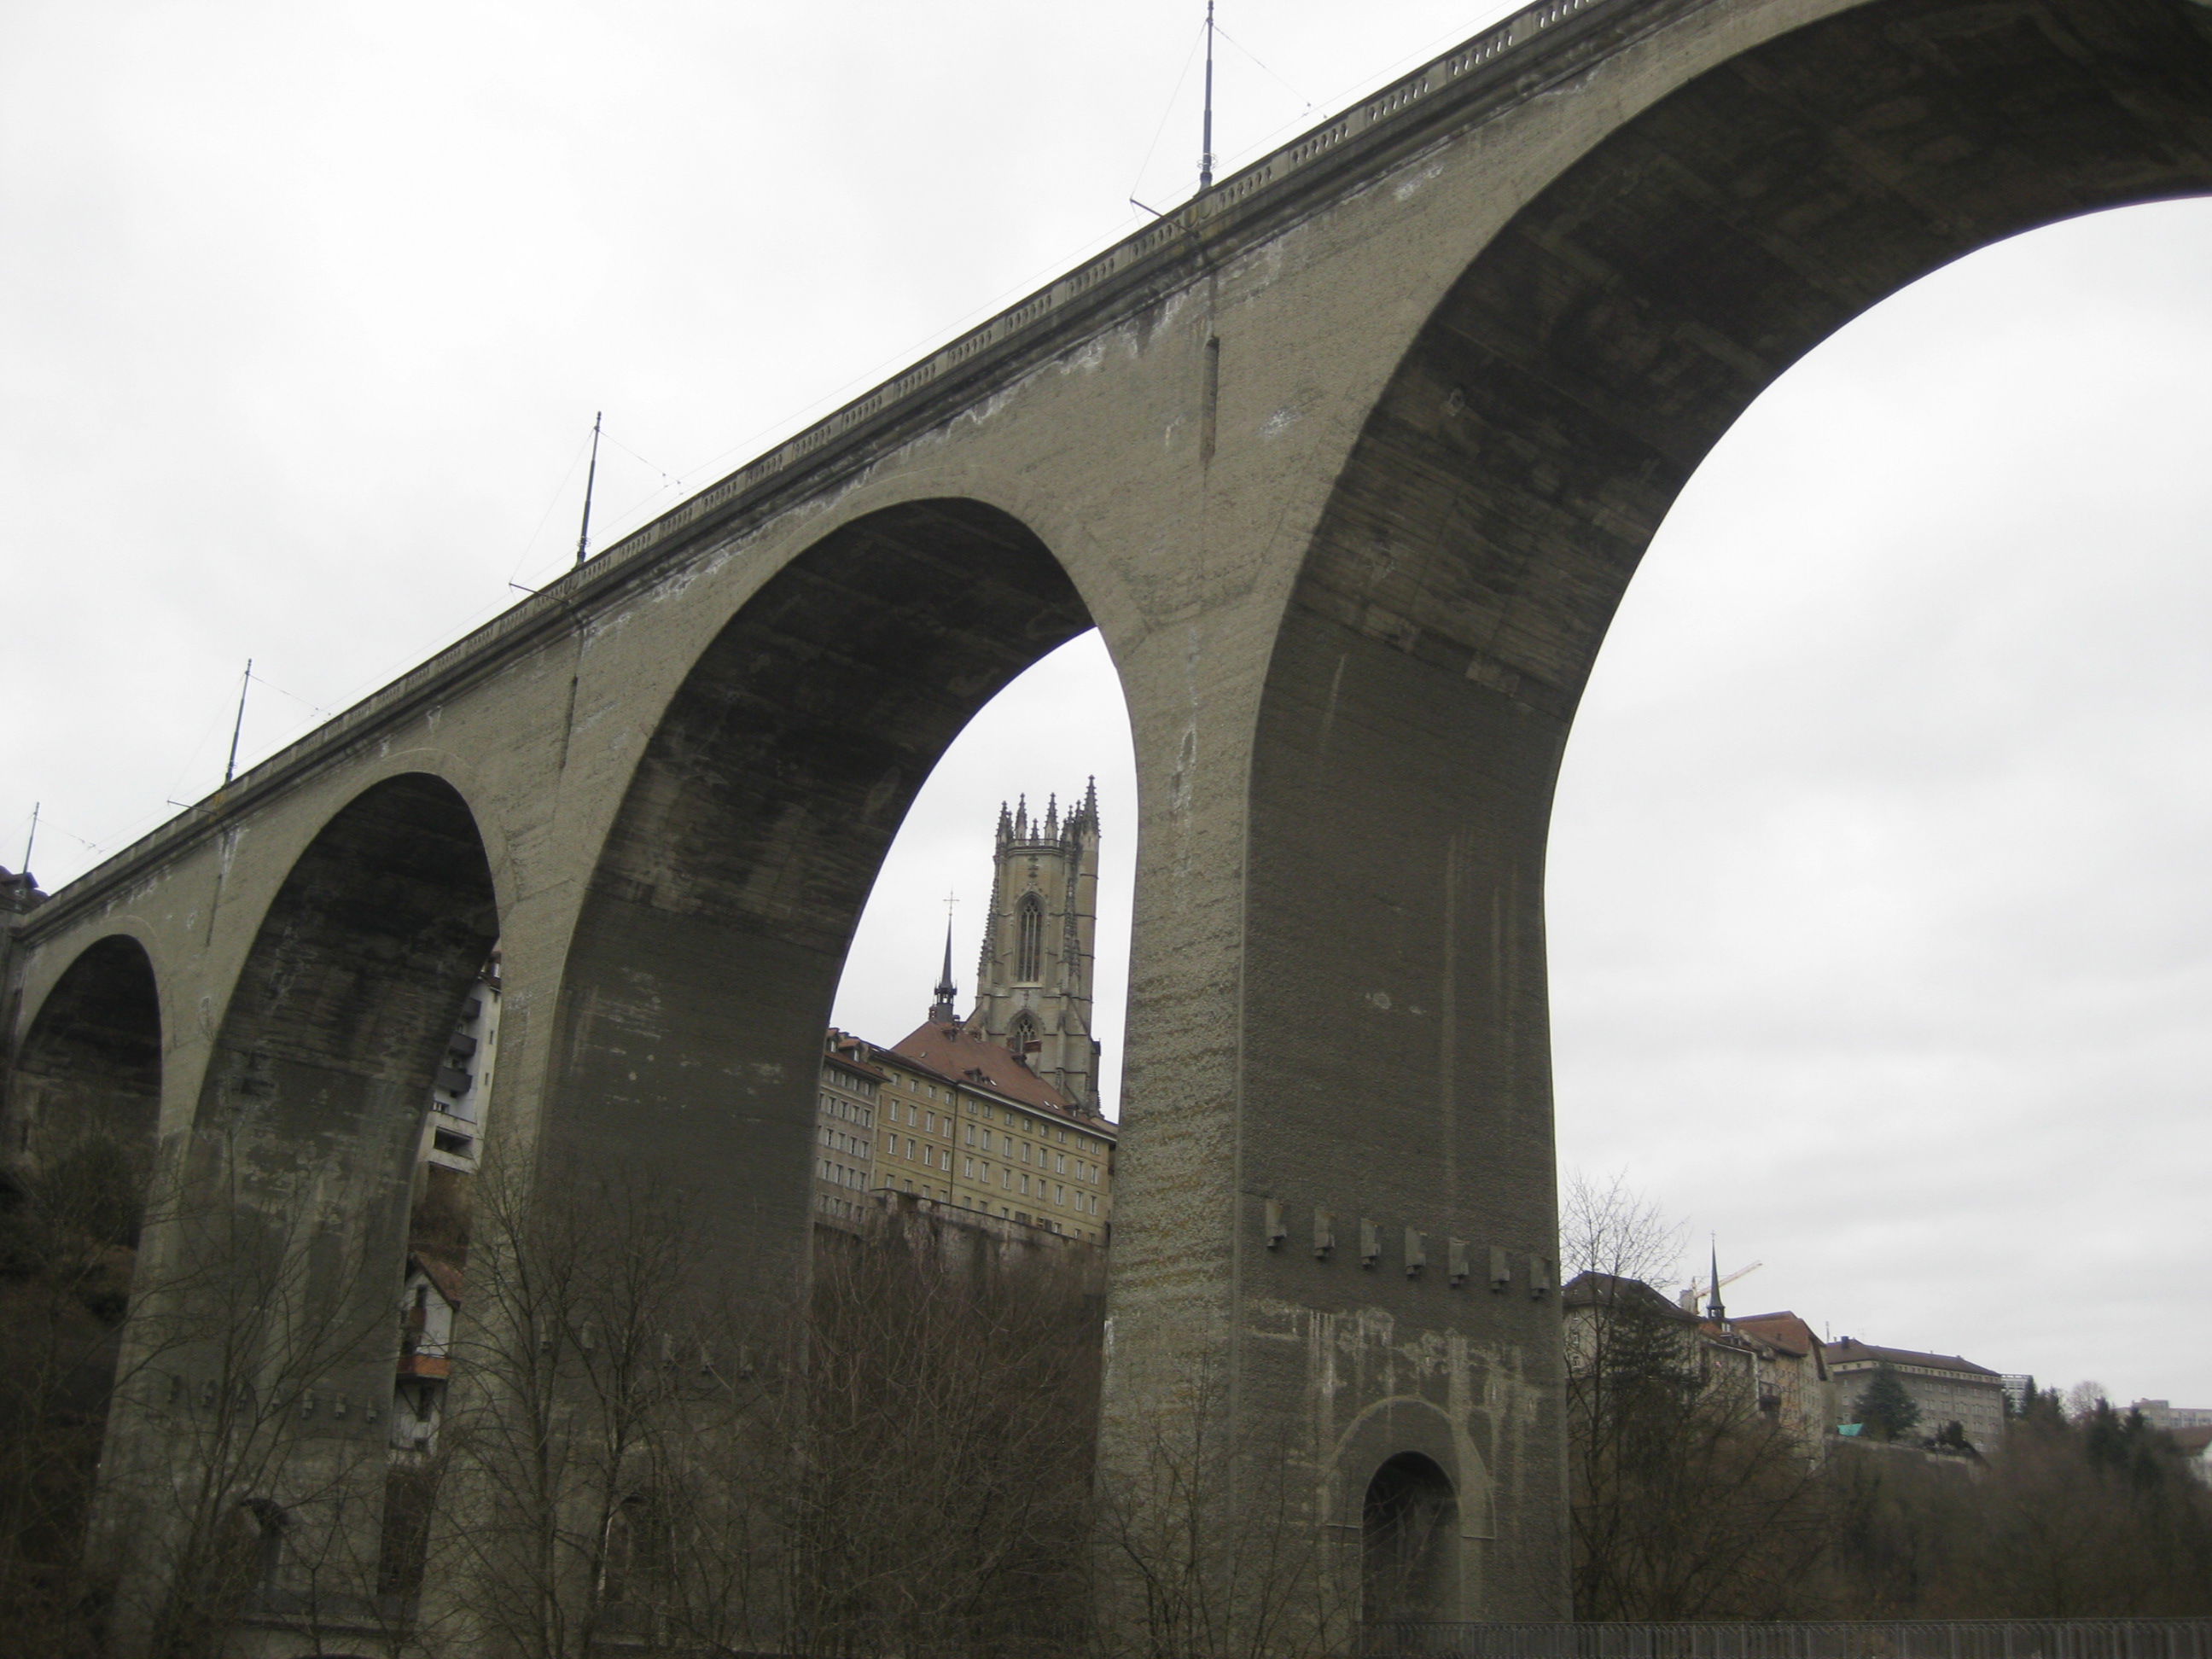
(941, 1011)
(1714, 1311)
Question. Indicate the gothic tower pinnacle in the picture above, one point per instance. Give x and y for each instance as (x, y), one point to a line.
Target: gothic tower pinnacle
(1033, 976)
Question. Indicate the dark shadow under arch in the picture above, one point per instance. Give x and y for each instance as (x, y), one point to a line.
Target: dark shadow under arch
(703, 966)
(275, 1325)
(83, 1115)
(304, 1143)
(323, 1065)
(268, 1336)
(1409, 1543)
(90, 1063)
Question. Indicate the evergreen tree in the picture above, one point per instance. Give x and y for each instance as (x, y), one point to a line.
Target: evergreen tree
(1885, 1408)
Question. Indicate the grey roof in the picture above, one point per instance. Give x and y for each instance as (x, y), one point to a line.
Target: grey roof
(1612, 1290)
(1850, 1350)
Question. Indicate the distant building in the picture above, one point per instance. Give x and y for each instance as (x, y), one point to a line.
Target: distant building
(1593, 1305)
(845, 1129)
(1793, 1373)
(460, 1092)
(430, 1301)
(966, 1122)
(2164, 1414)
(1772, 1361)
(995, 1115)
(1946, 1388)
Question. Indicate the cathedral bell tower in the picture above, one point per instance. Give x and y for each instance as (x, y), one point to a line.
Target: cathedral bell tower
(1033, 989)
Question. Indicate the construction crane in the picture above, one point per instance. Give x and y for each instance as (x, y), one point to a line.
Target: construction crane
(1696, 1289)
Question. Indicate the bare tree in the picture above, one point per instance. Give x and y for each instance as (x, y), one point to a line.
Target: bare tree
(1688, 1501)
(1208, 1548)
(901, 1467)
(1614, 1229)
(581, 1316)
(942, 1503)
(68, 1237)
(256, 1378)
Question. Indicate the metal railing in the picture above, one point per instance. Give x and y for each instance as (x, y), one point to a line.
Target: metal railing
(1914, 1639)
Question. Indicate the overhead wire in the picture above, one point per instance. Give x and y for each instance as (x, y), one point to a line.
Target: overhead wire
(754, 444)
(795, 421)
(258, 680)
(1262, 68)
(1168, 113)
(546, 518)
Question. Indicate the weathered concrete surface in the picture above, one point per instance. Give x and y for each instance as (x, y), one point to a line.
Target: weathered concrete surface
(1350, 462)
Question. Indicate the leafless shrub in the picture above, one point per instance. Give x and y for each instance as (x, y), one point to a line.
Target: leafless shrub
(1206, 1550)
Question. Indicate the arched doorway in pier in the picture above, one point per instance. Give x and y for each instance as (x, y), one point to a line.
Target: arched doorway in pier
(1409, 1543)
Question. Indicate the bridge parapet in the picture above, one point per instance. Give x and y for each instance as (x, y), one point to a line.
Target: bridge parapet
(1506, 65)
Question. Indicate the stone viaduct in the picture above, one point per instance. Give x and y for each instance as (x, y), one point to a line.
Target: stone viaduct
(1349, 459)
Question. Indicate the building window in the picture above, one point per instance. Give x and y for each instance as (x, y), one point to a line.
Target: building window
(1029, 951)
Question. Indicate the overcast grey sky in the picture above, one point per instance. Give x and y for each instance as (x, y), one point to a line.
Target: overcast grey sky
(1880, 916)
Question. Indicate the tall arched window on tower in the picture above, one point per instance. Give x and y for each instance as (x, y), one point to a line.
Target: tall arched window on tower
(1029, 954)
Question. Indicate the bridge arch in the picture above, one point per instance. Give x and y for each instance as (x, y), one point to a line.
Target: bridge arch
(264, 1338)
(707, 949)
(1501, 489)
(89, 1065)
(333, 1026)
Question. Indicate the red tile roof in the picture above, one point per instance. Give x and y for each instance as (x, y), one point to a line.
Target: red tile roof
(1784, 1330)
(445, 1275)
(960, 1055)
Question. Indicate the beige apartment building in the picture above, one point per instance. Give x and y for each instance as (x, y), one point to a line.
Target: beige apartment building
(967, 1123)
(846, 1106)
(1946, 1388)
(996, 1114)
